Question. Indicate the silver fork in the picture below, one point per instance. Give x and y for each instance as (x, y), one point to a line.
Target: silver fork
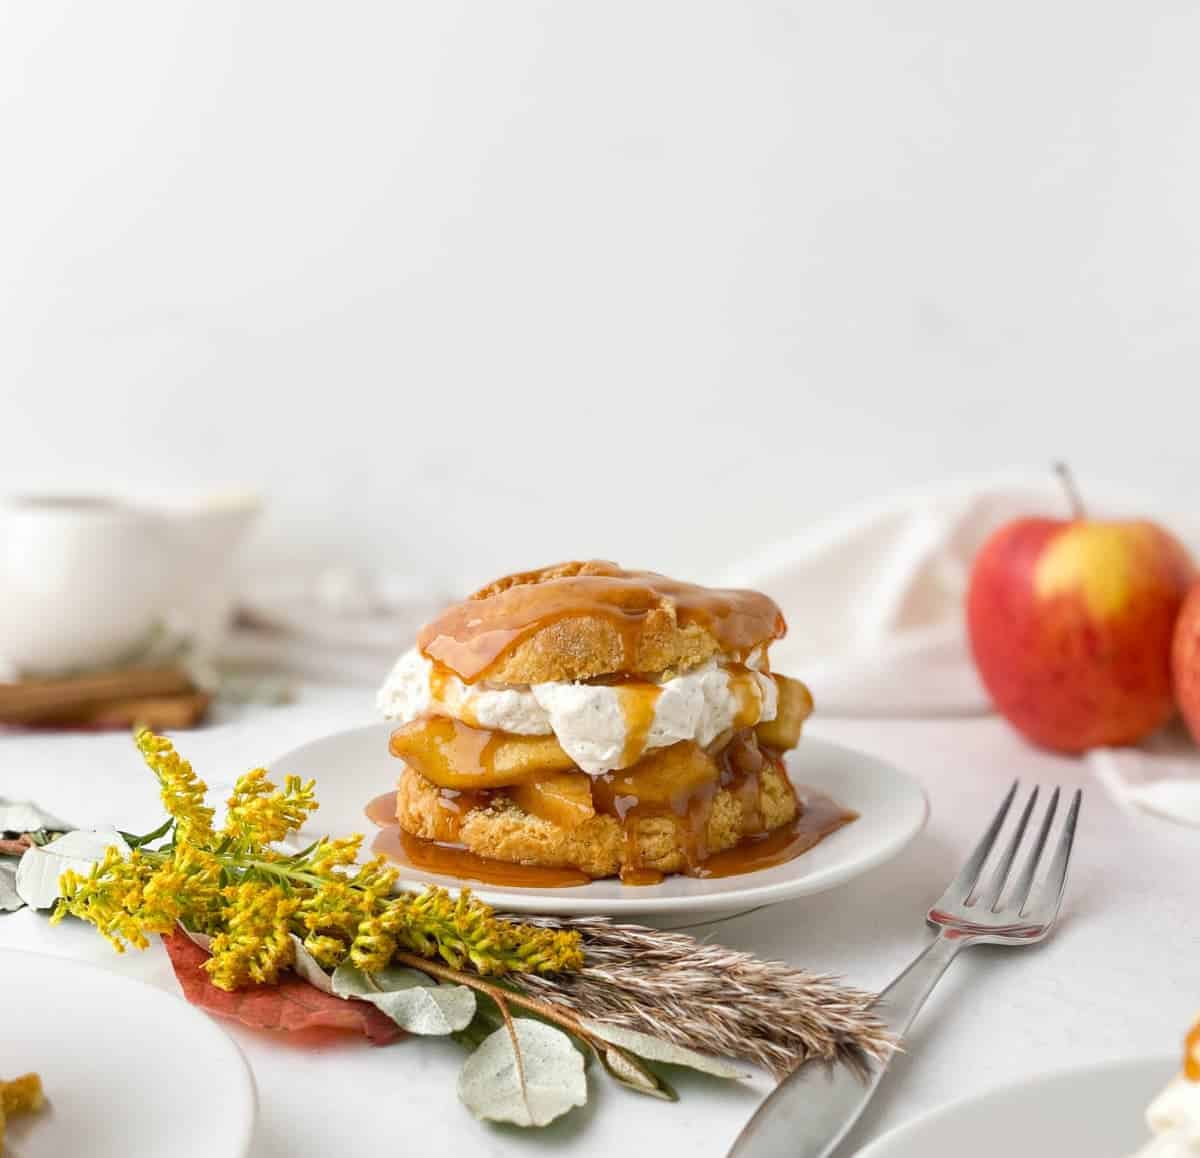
(812, 1110)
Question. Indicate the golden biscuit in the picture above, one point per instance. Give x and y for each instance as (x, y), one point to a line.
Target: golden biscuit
(579, 621)
(500, 830)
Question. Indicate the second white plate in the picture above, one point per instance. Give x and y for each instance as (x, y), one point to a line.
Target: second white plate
(353, 767)
(1096, 1110)
(128, 1070)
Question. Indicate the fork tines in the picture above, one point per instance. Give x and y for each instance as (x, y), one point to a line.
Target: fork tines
(982, 891)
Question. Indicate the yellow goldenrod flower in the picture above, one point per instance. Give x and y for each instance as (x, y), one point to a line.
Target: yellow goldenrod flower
(375, 877)
(261, 814)
(251, 897)
(374, 942)
(182, 790)
(185, 888)
(111, 897)
(332, 854)
(335, 908)
(256, 944)
(464, 930)
(328, 951)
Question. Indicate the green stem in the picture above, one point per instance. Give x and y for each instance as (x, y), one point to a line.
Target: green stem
(272, 868)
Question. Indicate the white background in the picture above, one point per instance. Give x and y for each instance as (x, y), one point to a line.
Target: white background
(464, 287)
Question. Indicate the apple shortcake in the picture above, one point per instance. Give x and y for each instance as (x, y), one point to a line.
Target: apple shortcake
(585, 717)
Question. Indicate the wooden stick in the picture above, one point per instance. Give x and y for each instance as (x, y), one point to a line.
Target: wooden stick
(155, 712)
(32, 701)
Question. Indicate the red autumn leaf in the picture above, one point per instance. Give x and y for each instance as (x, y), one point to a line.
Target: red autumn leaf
(16, 846)
(289, 1004)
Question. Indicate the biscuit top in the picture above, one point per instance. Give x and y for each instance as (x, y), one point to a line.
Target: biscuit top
(579, 621)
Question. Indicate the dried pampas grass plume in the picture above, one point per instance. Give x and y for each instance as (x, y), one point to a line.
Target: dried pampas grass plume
(712, 999)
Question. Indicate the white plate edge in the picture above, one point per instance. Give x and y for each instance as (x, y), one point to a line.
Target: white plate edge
(901, 1133)
(744, 900)
(212, 1027)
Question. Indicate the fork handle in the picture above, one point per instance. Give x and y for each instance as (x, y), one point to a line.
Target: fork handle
(813, 1108)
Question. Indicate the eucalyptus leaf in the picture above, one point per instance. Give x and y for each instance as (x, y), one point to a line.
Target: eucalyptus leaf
(476, 1033)
(546, 1083)
(655, 1049)
(413, 1000)
(486, 1021)
(25, 816)
(628, 1069)
(39, 868)
(10, 899)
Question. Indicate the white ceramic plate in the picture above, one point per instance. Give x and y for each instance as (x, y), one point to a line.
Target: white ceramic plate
(351, 768)
(1097, 1111)
(128, 1070)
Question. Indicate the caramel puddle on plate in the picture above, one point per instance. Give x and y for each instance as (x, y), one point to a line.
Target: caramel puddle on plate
(821, 816)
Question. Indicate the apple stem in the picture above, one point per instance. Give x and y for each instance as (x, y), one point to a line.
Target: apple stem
(1067, 479)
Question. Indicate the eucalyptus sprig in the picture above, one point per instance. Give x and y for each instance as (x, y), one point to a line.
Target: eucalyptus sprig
(518, 993)
(432, 962)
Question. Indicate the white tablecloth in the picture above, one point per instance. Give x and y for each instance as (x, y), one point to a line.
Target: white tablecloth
(1119, 978)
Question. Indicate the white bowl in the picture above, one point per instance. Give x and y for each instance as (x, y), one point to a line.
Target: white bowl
(84, 581)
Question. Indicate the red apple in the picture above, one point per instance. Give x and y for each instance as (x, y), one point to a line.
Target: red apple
(1071, 623)
(1185, 661)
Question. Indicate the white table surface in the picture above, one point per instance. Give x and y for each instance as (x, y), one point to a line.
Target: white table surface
(1119, 978)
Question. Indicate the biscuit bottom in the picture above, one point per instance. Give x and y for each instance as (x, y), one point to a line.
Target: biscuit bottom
(603, 845)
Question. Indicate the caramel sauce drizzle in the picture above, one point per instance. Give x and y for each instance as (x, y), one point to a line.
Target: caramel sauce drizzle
(744, 688)
(634, 796)
(439, 684)
(472, 637)
(637, 702)
(742, 762)
(439, 677)
(1191, 1055)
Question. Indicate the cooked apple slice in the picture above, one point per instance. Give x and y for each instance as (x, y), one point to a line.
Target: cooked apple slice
(795, 706)
(565, 799)
(666, 776)
(452, 754)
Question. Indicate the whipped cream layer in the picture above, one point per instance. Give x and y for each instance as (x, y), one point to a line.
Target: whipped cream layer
(1174, 1118)
(592, 722)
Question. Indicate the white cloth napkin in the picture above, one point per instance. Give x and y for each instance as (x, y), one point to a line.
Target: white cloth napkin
(874, 599)
(1161, 776)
